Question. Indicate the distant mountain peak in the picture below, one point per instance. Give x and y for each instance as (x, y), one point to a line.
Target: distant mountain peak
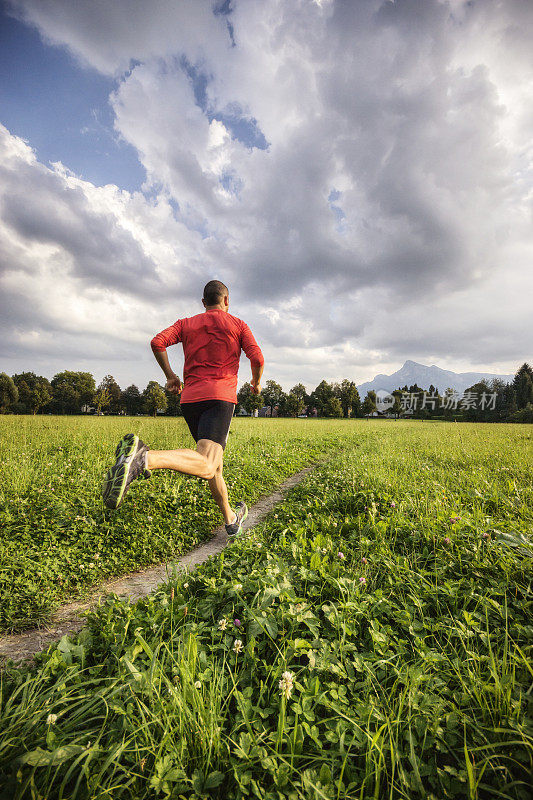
(414, 373)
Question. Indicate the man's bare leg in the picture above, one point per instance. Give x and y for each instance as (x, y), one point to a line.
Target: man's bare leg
(219, 490)
(202, 462)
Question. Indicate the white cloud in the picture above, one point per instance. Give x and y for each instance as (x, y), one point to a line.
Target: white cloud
(108, 36)
(416, 115)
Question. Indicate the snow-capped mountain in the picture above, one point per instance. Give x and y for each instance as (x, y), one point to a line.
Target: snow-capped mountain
(424, 376)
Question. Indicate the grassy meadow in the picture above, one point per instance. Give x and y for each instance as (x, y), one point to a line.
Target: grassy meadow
(372, 638)
(57, 539)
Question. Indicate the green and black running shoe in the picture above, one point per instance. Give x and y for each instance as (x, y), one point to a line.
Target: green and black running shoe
(130, 464)
(234, 529)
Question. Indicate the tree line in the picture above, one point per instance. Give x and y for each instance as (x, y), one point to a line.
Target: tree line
(73, 392)
(326, 400)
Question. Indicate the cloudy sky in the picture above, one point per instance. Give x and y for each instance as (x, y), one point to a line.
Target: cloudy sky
(359, 173)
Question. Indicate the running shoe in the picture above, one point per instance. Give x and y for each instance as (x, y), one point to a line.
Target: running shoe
(130, 464)
(234, 529)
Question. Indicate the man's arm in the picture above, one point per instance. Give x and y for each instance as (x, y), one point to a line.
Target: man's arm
(257, 361)
(159, 345)
(255, 383)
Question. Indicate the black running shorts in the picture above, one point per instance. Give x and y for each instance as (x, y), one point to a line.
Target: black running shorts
(209, 419)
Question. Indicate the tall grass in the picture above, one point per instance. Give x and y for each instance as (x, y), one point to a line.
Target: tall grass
(394, 584)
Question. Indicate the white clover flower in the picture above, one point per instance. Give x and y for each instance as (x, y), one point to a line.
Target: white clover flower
(51, 719)
(198, 684)
(238, 587)
(222, 624)
(185, 585)
(237, 646)
(286, 684)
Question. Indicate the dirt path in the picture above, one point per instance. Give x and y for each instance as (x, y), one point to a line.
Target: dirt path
(68, 619)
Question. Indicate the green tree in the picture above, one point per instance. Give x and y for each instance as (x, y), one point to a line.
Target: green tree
(154, 398)
(113, 390)
(72, 390)
(272, 394)
(349, 398)
(369, 404)
(448, 403)
(320, 397)
(396, 407)
(523, 415)
(8, 392)
(333, 408)
(247, 400)
(499, 413)
(34, 390)
(507, 400)
(523, 386)
(66, 399)
(291, 405)
(131, 400)
(474, 413)
(101, 399)
(300, 392)
(433, 402)
(173, 404)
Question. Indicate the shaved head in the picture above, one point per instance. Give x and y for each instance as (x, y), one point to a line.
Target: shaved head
(214, 292)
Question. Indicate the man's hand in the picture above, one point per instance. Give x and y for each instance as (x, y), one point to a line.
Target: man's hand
(174, 385)
(256, 387)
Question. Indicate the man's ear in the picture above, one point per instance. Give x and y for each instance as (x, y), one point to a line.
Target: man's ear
(203, 301)
(226, 300)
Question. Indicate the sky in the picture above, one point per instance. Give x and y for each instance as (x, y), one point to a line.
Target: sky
(360, 174)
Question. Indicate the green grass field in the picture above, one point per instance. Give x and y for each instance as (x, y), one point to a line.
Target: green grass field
(373, 638)
(57, 539)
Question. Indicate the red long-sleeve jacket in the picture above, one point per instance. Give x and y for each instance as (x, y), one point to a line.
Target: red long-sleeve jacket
(212, 344)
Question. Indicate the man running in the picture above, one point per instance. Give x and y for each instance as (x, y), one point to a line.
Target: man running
(212, 343)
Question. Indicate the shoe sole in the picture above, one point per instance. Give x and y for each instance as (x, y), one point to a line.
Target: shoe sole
(240, 531)
(115, 481)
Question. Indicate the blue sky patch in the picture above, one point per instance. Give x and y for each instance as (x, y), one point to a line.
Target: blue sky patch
(244, 129)
(62, 109)
(338, 213)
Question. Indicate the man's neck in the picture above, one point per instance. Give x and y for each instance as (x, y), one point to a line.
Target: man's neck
(215, 308)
